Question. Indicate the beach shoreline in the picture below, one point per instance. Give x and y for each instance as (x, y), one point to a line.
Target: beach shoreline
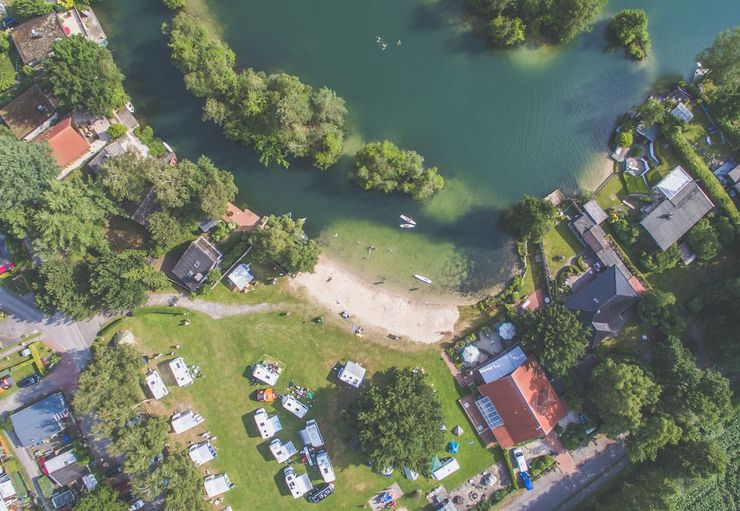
(374, 307)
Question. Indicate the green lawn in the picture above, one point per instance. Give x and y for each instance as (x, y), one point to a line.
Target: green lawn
(225, 348)
(560, 241)
(535, 277)
(668, 161)
(696, 134)
(635, 184)
(612, 192)
(7, 72)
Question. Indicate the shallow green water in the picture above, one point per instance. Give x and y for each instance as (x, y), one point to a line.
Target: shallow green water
(498, 125)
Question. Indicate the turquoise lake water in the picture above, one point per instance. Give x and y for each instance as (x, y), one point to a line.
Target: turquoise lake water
(497, 124)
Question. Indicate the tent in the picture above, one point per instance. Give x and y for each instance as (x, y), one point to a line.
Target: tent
(457, 430)
(453, 447)
(507, 331)
(470, 354)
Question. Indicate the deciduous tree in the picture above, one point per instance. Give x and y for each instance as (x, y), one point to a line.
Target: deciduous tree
(125, 177)
(140, 442)
(102, 498)
(27, 170)
(704, 240)
(282, 240)
(531, 218)
(61, 286)
(506, 32)
(630, 28)
(32, 8)
(179, 481)
(119, 281)
(651, 436)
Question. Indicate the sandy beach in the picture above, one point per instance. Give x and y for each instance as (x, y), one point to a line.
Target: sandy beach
(373, 307)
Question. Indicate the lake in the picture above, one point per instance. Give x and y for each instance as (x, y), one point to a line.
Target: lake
(497, 124)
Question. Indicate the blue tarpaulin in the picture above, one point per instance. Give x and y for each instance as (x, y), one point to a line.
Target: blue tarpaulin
(453, 447)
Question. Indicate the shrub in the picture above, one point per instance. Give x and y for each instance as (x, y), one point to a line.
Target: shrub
(220, 232)
(510, 468)
(31, 8)
(174, 4)
(117, 130)
(625, 138)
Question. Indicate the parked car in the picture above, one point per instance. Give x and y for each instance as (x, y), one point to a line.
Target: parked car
(320, 493)
(29, 380)
(9, 22)
(5, 266)
(136, 505)
(113, 471)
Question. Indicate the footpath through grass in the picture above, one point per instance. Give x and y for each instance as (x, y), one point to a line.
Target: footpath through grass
(224, 349)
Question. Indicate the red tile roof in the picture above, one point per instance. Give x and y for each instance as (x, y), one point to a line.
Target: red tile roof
(67, 146)
(526, 403)
(635, 283)
(244, 219)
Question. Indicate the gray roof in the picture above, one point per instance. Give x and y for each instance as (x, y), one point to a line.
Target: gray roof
(593, 235)
(146, 207)
(734, 174)
(502, 366)
(33, 39)
(110, 151)
(27, 112)
(650, 133)
(41, 420)
(603, 301)
(595, 211)
(200, 257)
(673, 218)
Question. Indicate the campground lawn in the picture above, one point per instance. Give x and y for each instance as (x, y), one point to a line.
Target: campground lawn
(224, 349)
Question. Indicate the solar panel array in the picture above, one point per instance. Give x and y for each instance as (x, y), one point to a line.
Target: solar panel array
(489, 413)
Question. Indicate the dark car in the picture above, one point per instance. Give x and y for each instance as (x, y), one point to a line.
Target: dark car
(113, 471)
(320, 493)
(29, 380)
(10, 22)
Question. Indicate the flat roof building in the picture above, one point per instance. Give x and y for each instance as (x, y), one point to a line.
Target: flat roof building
(243, 219)
(502, 366)
(180, 371)
(156, 386)
(41, 420)
(352, 373)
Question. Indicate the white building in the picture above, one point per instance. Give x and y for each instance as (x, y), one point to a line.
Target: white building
(311, 435)
(298, 485)
(181, 372)
(202, 453)
(215, 485)
(183, 421)
(447, 468)
(324, 463)
(241, 277)
(294, 406)
(281, 451)
(352, 373)
(265, 375)
(267, 426)
(156, 385)
(60, 461)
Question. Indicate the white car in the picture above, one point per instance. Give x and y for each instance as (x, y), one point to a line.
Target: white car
(136, 505)
(519, 458)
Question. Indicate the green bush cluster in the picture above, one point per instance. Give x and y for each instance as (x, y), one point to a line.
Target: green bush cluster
(155, 145)
(629, 27)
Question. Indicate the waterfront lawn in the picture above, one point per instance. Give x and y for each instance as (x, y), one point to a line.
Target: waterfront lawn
(560, 241)
(612, 192)
(225, 348)
(668, 161)
(635, 184)
(7, 72)
(696, 133)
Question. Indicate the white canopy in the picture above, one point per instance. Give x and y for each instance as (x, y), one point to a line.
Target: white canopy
(184, 421)
(470, 354)
(217, 484)
(507, 330)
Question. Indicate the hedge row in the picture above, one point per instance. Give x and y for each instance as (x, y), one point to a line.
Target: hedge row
(696, 165)
(510, 467)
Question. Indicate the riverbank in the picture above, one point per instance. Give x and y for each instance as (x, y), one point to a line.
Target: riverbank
(373, 307)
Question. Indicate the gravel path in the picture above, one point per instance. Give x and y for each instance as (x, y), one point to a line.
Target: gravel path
(215, 310)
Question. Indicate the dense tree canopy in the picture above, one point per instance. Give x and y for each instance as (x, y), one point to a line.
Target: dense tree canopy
(27, 170)
(102, 498)
(723, 61)
(139, 442)
(531, 218)
(61, 285)
(630, 29)
(651, 111)
(658, 308)
(119, 281)
(554, 336)
(110, 386)
(385, 167)
(504, 32)
(277, 114)
(283, 241)
(31, 8)
(398, 421)
(652, 435)
(180, 482)
(126, 177)
(622, 392)
(83, 75)
(704, 240)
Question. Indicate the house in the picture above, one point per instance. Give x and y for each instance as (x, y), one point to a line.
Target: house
(268, 426)
(193, 267)
(68, 147)
(41, 420)
(682, 113)
(215, 485)
(29, 114)
(202, 453)
(282, 452)
(156, 386)
(110, 151)
(63, 469)
(596, 212)
(594, 237)
(311, 435)
(501, 366)
(83, 23)
(521, 406)
(244, 220)
(352, 373)
(445, 469)
(680, 204)
(33, 39)
(294, 406)
(62, 499)
(268, 374)
(325, 468)
(146, 208)
(734, 174)
(180, 371)
(240, 277)
(601, 303)
(7, 490)
(184, 421)
(650, 133)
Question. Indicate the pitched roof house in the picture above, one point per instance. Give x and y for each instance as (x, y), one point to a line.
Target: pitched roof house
(521, 406)
(67, 145)
(29, 114)
(200, 258)
(244, 219)
(682, 203)
(41, 420)
(602, 303)
(33, 39)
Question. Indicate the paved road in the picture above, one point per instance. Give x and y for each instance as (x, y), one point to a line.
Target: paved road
(558, 492)
(70, 338)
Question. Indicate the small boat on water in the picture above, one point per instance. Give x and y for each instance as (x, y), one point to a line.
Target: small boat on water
(422, 278)
(167, 146)
(408, 219)
(130, 107)
(407, 226)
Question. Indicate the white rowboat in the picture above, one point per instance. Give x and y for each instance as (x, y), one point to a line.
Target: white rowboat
(407, 226)
(130, 107)
(422, 278)
(408, 219)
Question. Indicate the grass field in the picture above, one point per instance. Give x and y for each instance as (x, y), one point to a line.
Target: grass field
(611, 193)
(560, 241)
(224, 349)
(7, 72)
